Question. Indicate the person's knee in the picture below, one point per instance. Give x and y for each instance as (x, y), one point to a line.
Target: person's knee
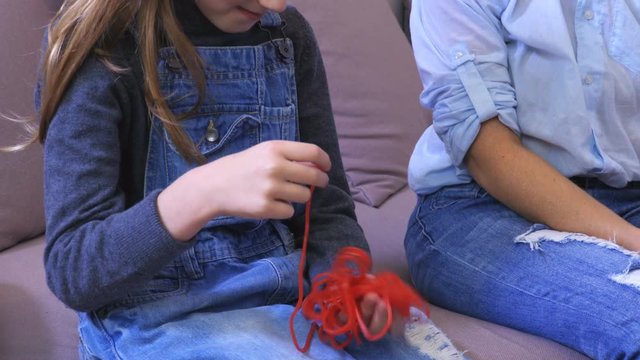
(622, 349)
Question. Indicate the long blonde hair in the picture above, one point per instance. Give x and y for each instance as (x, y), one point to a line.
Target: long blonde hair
(83, 27)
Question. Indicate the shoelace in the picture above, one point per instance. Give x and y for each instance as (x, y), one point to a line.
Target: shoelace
(332, 304)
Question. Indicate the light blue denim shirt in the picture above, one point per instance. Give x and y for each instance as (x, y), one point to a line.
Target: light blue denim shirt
(562, 74)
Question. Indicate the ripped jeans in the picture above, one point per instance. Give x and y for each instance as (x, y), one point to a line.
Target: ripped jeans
(469, 253)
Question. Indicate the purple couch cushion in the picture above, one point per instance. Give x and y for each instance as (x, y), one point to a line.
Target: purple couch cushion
(484, 340)
(374, 88)
(384, 228)
(34, 324)
(21, 209)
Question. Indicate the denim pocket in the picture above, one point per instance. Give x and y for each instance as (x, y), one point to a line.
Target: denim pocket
(84, 352)
(168, 282)
(450, 195)
(623, 42)
(217, 134)
(225, 129)
(286, 236)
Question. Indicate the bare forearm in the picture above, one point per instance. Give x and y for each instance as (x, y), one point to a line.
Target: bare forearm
(183, 209)
(530, 186)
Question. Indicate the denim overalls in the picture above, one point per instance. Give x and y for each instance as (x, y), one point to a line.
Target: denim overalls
(230, 295)
(235, 263)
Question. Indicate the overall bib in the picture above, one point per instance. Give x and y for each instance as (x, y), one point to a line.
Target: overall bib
(236, 263)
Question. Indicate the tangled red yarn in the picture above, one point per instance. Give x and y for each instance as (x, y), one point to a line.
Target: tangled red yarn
(333, 303)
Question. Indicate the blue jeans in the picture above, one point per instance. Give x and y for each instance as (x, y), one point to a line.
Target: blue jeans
(471, 254)
(213, 311)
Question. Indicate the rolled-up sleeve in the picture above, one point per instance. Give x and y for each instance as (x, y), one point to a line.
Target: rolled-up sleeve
(461, 53)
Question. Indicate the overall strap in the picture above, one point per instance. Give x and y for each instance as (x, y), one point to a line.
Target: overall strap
(271, 19)
(274, 20)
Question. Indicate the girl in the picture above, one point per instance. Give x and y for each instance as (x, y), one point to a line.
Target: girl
(529, 178)
(179, 137)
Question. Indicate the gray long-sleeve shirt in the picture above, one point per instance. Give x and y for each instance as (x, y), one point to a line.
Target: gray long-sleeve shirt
(104, 237)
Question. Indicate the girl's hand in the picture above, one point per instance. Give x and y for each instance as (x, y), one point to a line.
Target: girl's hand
(260, 182)
(374, 313)
(263, 181)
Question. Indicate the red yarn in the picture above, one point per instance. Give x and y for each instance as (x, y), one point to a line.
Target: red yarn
(333, 303)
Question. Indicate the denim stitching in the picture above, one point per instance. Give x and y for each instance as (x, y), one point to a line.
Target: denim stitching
(273, 296)
(107, 336)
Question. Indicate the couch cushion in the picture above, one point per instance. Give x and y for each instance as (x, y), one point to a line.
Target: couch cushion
(21, 209)
(484, 340)
(384, 228)
(374, 88)
(34, 324)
